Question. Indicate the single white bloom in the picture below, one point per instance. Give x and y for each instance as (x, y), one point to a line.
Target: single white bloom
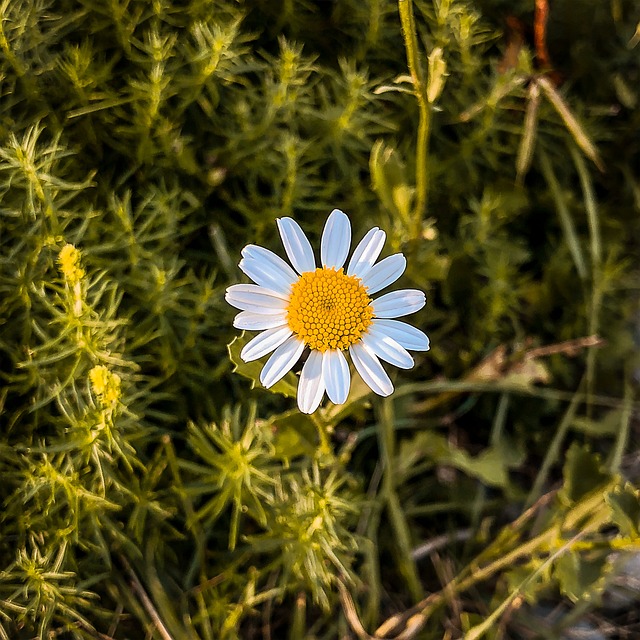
(327, 309)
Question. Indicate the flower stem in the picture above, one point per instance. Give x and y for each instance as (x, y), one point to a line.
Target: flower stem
(405, 8)
(399, 523)
(323, 435)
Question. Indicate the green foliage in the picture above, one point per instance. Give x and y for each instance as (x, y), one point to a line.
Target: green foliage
(150, 487)
(286, 386)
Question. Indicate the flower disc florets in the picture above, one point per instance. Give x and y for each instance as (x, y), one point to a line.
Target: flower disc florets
(329, 309)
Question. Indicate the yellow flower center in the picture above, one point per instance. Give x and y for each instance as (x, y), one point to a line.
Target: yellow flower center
(329, 309)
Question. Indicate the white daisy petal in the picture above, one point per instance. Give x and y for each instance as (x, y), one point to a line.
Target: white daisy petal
(260, 253)
(336, 376)
(267, 269)
(387, 349)
(253, 297)
(281, 361)
(336, 240)
(370, 369)
(264, 343)
(258, 321)
(366, 253)
(404, 334)
(263, 275)
(398, 303)
(311, 385)
(384, 273)
(296, 245)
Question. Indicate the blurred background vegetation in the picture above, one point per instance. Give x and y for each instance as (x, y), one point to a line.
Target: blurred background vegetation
(148, 490)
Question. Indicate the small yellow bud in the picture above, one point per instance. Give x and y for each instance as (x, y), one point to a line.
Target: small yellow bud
(69, 261)
(105, 384)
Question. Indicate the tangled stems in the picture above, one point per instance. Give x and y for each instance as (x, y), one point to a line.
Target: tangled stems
(585, 518)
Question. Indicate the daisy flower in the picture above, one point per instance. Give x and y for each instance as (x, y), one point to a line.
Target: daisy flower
(328, 310)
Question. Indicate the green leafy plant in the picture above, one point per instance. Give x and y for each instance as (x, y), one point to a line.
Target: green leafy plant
(151, 486)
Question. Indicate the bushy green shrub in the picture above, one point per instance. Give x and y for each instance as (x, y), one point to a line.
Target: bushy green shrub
(148, 489)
